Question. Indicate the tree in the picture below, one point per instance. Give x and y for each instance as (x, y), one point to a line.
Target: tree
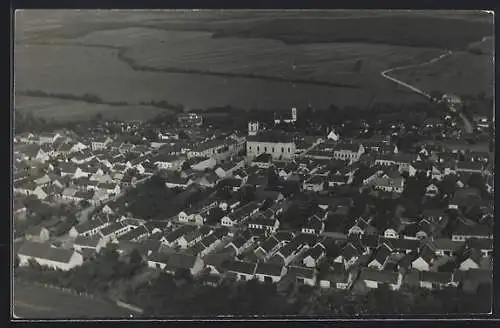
(183, 135)
(185, 166)
(215, 215)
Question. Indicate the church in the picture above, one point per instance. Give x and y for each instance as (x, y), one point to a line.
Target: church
(287, 119)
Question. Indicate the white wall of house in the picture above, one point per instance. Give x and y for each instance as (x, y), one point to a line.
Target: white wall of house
(283, 150)
(75, 260)
(420, 265)
(468, 264)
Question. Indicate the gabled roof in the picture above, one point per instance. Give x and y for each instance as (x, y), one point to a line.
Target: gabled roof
(46, 251)
(446, 244)
(242, 267)
(269, 244)
(400, 243)
(158, 257)
(315, 253)
(180, 261)
(302, 272)
(269, 269)
(382, 254)
(436, 277)
(88, 241)
(473, 230)
(179, 232)
(378, 276)
(480, 243)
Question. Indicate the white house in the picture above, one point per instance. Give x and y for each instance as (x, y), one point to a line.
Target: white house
(391, 233)
(48, 255)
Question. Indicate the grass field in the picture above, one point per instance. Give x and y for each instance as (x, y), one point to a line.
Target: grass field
(285, 45)
(38, 302)
(68, 110)
(79, 70)
(331, 62)
(462, 73)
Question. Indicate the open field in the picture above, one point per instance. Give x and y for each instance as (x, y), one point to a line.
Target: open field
(38, 302)
(329, 62)
(462, 73)
(79, 70)
(310, 25)
(63, 110)
(176, 55)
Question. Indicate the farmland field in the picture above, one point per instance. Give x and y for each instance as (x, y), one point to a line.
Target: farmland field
(330, 62)
(69, 110)
(79, 70)
(38, 302)
(182, 62)
(462, 73)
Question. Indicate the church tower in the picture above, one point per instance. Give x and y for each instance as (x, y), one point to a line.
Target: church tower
(294, 114)
(253, 128)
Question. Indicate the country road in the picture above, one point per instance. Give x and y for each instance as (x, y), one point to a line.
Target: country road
(385, 74)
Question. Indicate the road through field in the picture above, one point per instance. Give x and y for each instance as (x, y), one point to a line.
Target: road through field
(385, 74)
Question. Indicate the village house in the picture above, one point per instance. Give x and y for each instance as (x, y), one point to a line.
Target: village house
(316, 183)
(92, 243)
(313, 256)
(157, 260)
(351, 253)
(485, 246)
(37, 234)
(99, 143)
(168, 162)
(267, 248)
(113, 231)
(170, 238)
(190, 239)
(472, 260)
(270, 273)
(288, 252)
(425, 260)
(446, 247)
(339, 279)
(373, 278)
(478, 231)
(362, 227)
(243, 271)
(314, 225)
(261, 222)
(351, 152)
(177, 182)
(381, 256)
(470, 167)
(303, 275)
(48, 138)
(181, 261)
(49, 256)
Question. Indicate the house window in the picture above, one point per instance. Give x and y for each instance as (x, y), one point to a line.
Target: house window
(243, 277)
(258, 149)
(268, 279)
(158, 265)
(265, 149)
(282, 149)
(288, 149)
(273, 149)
